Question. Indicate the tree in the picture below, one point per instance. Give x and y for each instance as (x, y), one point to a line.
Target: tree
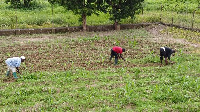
(27, 3)
(14, 3)
(18, 3)
(83, 7)
(121, 9)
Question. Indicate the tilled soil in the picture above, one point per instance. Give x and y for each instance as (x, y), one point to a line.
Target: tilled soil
(70, 51)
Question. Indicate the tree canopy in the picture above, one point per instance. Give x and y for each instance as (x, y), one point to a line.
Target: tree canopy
(83, 8)
(121, 9)
(118, 9)
(18, 3)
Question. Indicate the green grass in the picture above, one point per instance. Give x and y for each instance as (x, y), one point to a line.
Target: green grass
(36, 18)
(42, 17)
(172, 5)
(71, 72)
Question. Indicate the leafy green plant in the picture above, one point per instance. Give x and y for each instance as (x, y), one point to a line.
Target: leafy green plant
(133, 42)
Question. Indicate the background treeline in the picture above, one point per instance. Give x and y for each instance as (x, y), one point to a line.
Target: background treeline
(118, 9)
(61, 13)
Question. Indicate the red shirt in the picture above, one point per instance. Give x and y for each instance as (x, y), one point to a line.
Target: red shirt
(117, 49)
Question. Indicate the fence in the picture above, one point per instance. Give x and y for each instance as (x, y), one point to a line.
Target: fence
(188, 19)
(69, 29)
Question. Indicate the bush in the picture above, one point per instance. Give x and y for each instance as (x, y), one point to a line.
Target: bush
(27, 4)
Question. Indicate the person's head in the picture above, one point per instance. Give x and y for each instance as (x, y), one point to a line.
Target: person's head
(22, 58)
(123, 50)
(173, 52)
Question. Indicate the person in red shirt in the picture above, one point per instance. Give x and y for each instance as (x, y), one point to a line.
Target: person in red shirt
(117, 52)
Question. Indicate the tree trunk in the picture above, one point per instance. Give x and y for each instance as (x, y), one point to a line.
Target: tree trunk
(84, 22)
(117, 26)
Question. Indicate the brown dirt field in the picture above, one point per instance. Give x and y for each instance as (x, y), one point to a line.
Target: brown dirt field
(70, 51)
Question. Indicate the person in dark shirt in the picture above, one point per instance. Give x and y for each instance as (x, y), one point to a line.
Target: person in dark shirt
(117, 52)
(166, 53)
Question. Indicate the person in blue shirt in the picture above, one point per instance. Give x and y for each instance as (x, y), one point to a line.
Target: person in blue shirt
(13, 65)
(166, 53)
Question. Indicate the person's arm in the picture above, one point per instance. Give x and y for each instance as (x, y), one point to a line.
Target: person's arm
(18, 70)
(169, 57)
(170, 60)
(122, 57)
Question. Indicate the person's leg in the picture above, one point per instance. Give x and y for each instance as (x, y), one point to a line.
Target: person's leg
(166, 61)
(161, 54)
(8, 71)
(116, 58)
(111, 55)
(14, 72)
(15, 75)
(161, 58)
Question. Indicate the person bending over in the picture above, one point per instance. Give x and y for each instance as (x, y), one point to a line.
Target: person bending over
(166, 53)
(13, 65)
(117, 52)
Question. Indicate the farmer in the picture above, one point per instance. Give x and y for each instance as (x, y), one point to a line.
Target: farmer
(166, 52)
(13, 65)
(117, 52)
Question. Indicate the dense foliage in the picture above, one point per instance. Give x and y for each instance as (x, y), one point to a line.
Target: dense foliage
(121, 9)
(20, 3)
(118, 9)
(83, 8)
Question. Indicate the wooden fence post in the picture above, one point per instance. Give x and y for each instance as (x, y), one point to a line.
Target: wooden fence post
(15, 19)
(16, 23)
(142, 10)
(161, 8)
(193, 18)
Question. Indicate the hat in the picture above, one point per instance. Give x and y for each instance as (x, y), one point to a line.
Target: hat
(22, 57)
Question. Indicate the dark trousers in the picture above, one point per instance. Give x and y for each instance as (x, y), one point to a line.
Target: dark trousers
(113, 53)
(162, 53)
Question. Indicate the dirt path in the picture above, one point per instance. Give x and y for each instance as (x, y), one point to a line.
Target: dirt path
(154, 30)
(46, 37)
(44, 57)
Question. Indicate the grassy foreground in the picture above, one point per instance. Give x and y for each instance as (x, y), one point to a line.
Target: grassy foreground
(69, 72)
